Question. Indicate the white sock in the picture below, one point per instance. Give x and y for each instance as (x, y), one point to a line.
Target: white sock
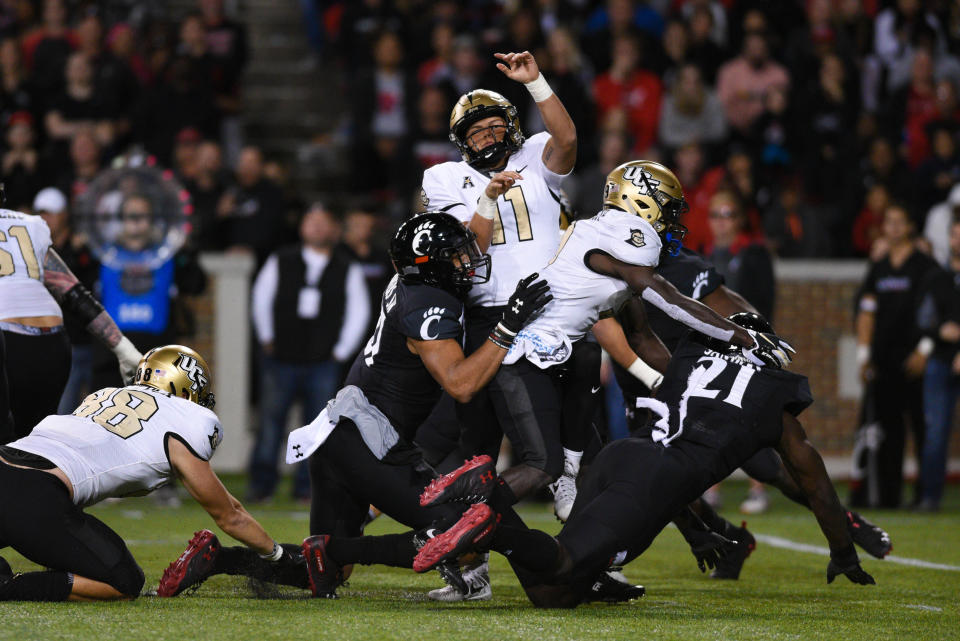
(573, 460)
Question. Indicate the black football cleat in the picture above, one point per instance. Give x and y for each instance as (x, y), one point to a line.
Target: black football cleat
(868, 536)
(322, 571)
(193, 567)
(729, 566)
(610, 588)
(472, 482)
(471, 531)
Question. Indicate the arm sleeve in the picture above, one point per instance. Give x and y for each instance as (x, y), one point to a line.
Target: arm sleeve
(356, 317)
(437, 195)
(264, 293)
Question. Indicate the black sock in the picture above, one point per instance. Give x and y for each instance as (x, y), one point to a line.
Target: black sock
(395, 550)
(37, 586)
(536, 550)
(710, 518)
(502, 499)
(239, 560)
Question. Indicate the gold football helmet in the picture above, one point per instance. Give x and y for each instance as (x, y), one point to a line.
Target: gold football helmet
(476, 105)
(651, 191)
(178, 370)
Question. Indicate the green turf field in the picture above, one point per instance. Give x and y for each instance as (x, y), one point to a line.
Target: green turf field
(782, 594)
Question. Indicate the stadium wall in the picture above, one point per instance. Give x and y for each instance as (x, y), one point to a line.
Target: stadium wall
(814, 310)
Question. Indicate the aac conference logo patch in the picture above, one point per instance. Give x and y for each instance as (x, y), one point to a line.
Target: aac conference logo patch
(636, 238)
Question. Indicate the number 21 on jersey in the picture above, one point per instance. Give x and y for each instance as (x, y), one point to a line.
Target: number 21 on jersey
(698, 386)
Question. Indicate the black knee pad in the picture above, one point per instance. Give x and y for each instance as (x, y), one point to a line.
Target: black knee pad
(128, 578)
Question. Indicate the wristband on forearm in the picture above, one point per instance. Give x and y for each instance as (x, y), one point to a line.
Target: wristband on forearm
(539, 89)
(487, 207)
(502, 337)
(275, 554)
(863, 355)
(845, 557)
(645, 374)
(925, 346)
(79, 301)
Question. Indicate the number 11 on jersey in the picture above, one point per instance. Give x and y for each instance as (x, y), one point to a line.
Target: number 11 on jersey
(521, 214)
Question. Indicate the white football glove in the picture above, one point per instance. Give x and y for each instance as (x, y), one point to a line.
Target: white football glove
(768, 350)
(129, 357)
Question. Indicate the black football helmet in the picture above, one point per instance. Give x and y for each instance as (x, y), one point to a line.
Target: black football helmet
(746, 320)
(434, 248)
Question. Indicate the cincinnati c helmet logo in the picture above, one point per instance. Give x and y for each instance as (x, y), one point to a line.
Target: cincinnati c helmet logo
(641, 179)
(431, 316)
(193, 369)
(421, 236)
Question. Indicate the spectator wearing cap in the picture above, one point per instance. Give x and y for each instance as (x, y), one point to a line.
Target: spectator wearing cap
(51, 205)
(20, 165)
(310, 311)
(938, 225)
(743, 82)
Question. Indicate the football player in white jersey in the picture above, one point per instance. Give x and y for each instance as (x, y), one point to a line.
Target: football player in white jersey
(507, 190)
(125, 441)
(600, 263)
(34, 349)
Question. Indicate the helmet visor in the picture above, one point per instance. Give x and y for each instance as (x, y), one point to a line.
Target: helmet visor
(470, 266)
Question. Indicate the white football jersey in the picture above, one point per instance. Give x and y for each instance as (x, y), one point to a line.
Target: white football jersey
(24, 241)
(581, 295)
(114, 444)
(526, 230)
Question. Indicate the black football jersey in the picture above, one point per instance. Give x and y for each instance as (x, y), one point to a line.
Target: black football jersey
(721, 409)
(392, 377)
(695, 277)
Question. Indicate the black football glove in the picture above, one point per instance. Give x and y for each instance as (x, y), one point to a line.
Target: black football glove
(847, 562)
(768, 350)
(708, 547)
(527, 299)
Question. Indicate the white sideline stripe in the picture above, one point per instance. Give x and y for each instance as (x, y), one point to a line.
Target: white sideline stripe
(787, 544)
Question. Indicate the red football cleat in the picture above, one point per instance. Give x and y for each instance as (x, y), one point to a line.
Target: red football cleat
(193, 567)
(473, 528)
(472, 482)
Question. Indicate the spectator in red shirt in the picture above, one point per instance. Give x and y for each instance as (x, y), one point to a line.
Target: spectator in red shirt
(743, 82)
(627, 86)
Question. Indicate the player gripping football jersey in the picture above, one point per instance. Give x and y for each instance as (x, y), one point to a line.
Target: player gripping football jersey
(526, 225)
(115, 443)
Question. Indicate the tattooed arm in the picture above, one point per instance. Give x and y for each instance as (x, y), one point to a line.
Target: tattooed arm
(77, 299)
